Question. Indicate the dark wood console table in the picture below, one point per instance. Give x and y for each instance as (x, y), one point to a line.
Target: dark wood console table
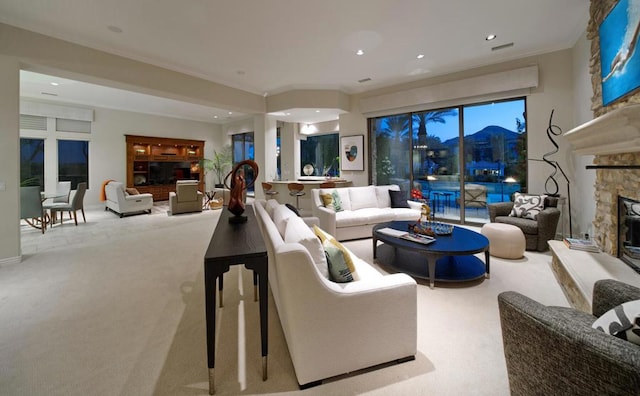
(233, 244)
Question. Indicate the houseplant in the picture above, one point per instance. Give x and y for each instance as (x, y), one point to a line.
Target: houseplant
(221, 164)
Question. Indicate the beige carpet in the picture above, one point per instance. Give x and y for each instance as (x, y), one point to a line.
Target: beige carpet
(116, 307)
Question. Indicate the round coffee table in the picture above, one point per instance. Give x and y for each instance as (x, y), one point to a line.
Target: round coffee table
(450, 258)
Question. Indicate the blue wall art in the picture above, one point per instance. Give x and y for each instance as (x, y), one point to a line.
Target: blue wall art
(619, 58)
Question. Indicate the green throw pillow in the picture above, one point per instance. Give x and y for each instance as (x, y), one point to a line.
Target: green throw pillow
(337, 202)
(338, 270)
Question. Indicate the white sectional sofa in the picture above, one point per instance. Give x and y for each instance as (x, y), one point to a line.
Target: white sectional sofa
(362, 208)
(333, 328)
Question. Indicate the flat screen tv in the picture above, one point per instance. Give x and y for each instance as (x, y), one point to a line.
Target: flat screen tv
(168, 172)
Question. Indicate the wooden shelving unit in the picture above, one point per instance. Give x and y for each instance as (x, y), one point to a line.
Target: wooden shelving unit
(154, 164)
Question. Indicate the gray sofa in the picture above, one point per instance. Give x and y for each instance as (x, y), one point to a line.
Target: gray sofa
(554, 350)
(536, 232)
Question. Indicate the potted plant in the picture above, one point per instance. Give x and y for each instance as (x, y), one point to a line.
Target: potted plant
(221, 164)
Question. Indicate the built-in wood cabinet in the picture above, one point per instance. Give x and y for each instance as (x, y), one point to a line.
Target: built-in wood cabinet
(154, 164)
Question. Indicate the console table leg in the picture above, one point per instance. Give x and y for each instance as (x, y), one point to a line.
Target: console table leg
(255, 286)
(264, 368)
(212, 381)
(220, 285)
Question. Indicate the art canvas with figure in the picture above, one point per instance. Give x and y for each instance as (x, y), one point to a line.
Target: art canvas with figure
(619, 58)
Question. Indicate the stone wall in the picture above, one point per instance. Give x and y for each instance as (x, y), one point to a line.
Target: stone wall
(609, 183)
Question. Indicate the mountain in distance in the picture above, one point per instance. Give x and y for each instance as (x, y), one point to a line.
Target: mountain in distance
(485, 134)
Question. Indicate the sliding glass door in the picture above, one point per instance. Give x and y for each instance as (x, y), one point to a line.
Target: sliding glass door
(459, 158)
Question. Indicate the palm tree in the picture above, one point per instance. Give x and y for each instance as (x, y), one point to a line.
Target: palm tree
(422, 119)
(396, 127)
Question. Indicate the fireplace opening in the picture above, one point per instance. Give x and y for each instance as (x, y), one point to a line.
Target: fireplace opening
(629, 232)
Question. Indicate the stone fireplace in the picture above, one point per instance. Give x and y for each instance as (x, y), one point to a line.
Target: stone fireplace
(613, 137)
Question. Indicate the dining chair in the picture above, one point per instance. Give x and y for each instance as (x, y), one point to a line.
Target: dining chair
(63, 190)
(77, 203)
(31, 209)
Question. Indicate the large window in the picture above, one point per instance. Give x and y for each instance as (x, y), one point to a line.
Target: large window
(461, 158)
(243, 150)
(73, 162)
(32, 162)
(319, 155)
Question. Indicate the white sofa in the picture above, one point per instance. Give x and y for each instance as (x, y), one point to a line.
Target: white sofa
(122, 203)
(363, 207)
(333, 328)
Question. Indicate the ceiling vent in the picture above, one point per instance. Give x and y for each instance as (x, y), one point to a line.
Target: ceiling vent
(503, 46)
(48, 93)
(364, 80)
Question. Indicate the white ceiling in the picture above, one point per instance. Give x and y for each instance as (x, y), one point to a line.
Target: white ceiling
(271, 46)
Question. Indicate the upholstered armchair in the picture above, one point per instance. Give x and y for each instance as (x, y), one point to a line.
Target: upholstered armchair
(536, 232)
(122, 203)
(554, 350)
(186, 199)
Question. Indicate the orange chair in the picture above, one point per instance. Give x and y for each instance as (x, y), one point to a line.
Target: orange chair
(328, 184)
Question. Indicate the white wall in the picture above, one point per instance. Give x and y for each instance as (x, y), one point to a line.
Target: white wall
(9, 158)
(583, 189)
(107, 148)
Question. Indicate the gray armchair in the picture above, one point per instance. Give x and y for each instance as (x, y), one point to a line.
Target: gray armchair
(536, 232)
(554, 350)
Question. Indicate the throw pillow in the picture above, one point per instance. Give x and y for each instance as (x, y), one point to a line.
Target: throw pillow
(322, 234)
(293, 209)
(327, 200)
(527, 206)
(280, 216)
(337, 201)
(622, 321)
(132, 191)
(298, 232)
(337, 263)
(398, 199)
(347, 257)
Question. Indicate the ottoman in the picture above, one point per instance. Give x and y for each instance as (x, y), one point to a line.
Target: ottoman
(505, 240)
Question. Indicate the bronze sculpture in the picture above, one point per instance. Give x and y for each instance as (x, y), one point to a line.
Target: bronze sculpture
(236, 189)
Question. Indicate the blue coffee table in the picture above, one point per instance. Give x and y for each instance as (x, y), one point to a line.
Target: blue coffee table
(450, 258)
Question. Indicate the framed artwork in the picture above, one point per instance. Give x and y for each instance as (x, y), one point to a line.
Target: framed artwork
(619, 59)
(352, 153)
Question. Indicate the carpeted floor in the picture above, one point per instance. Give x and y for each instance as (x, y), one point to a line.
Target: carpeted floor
(116, 307)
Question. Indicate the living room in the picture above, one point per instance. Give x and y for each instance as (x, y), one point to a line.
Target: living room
(563, 85)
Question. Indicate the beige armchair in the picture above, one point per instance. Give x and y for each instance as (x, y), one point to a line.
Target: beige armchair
(186, 199)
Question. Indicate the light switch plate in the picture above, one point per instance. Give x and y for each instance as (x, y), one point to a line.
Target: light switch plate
(3, 186)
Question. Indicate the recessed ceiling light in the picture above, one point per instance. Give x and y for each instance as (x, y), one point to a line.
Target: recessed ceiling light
(420, 56)
(317, 111)
(114, 29)
(55, 84)
(287, 114)
(490, 37)
(360, 52)
(231, 112)
(215, 116)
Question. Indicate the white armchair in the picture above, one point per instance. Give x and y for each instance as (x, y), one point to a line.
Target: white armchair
(121, 203)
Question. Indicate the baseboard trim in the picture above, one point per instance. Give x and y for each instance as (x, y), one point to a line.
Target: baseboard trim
(10, 260)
